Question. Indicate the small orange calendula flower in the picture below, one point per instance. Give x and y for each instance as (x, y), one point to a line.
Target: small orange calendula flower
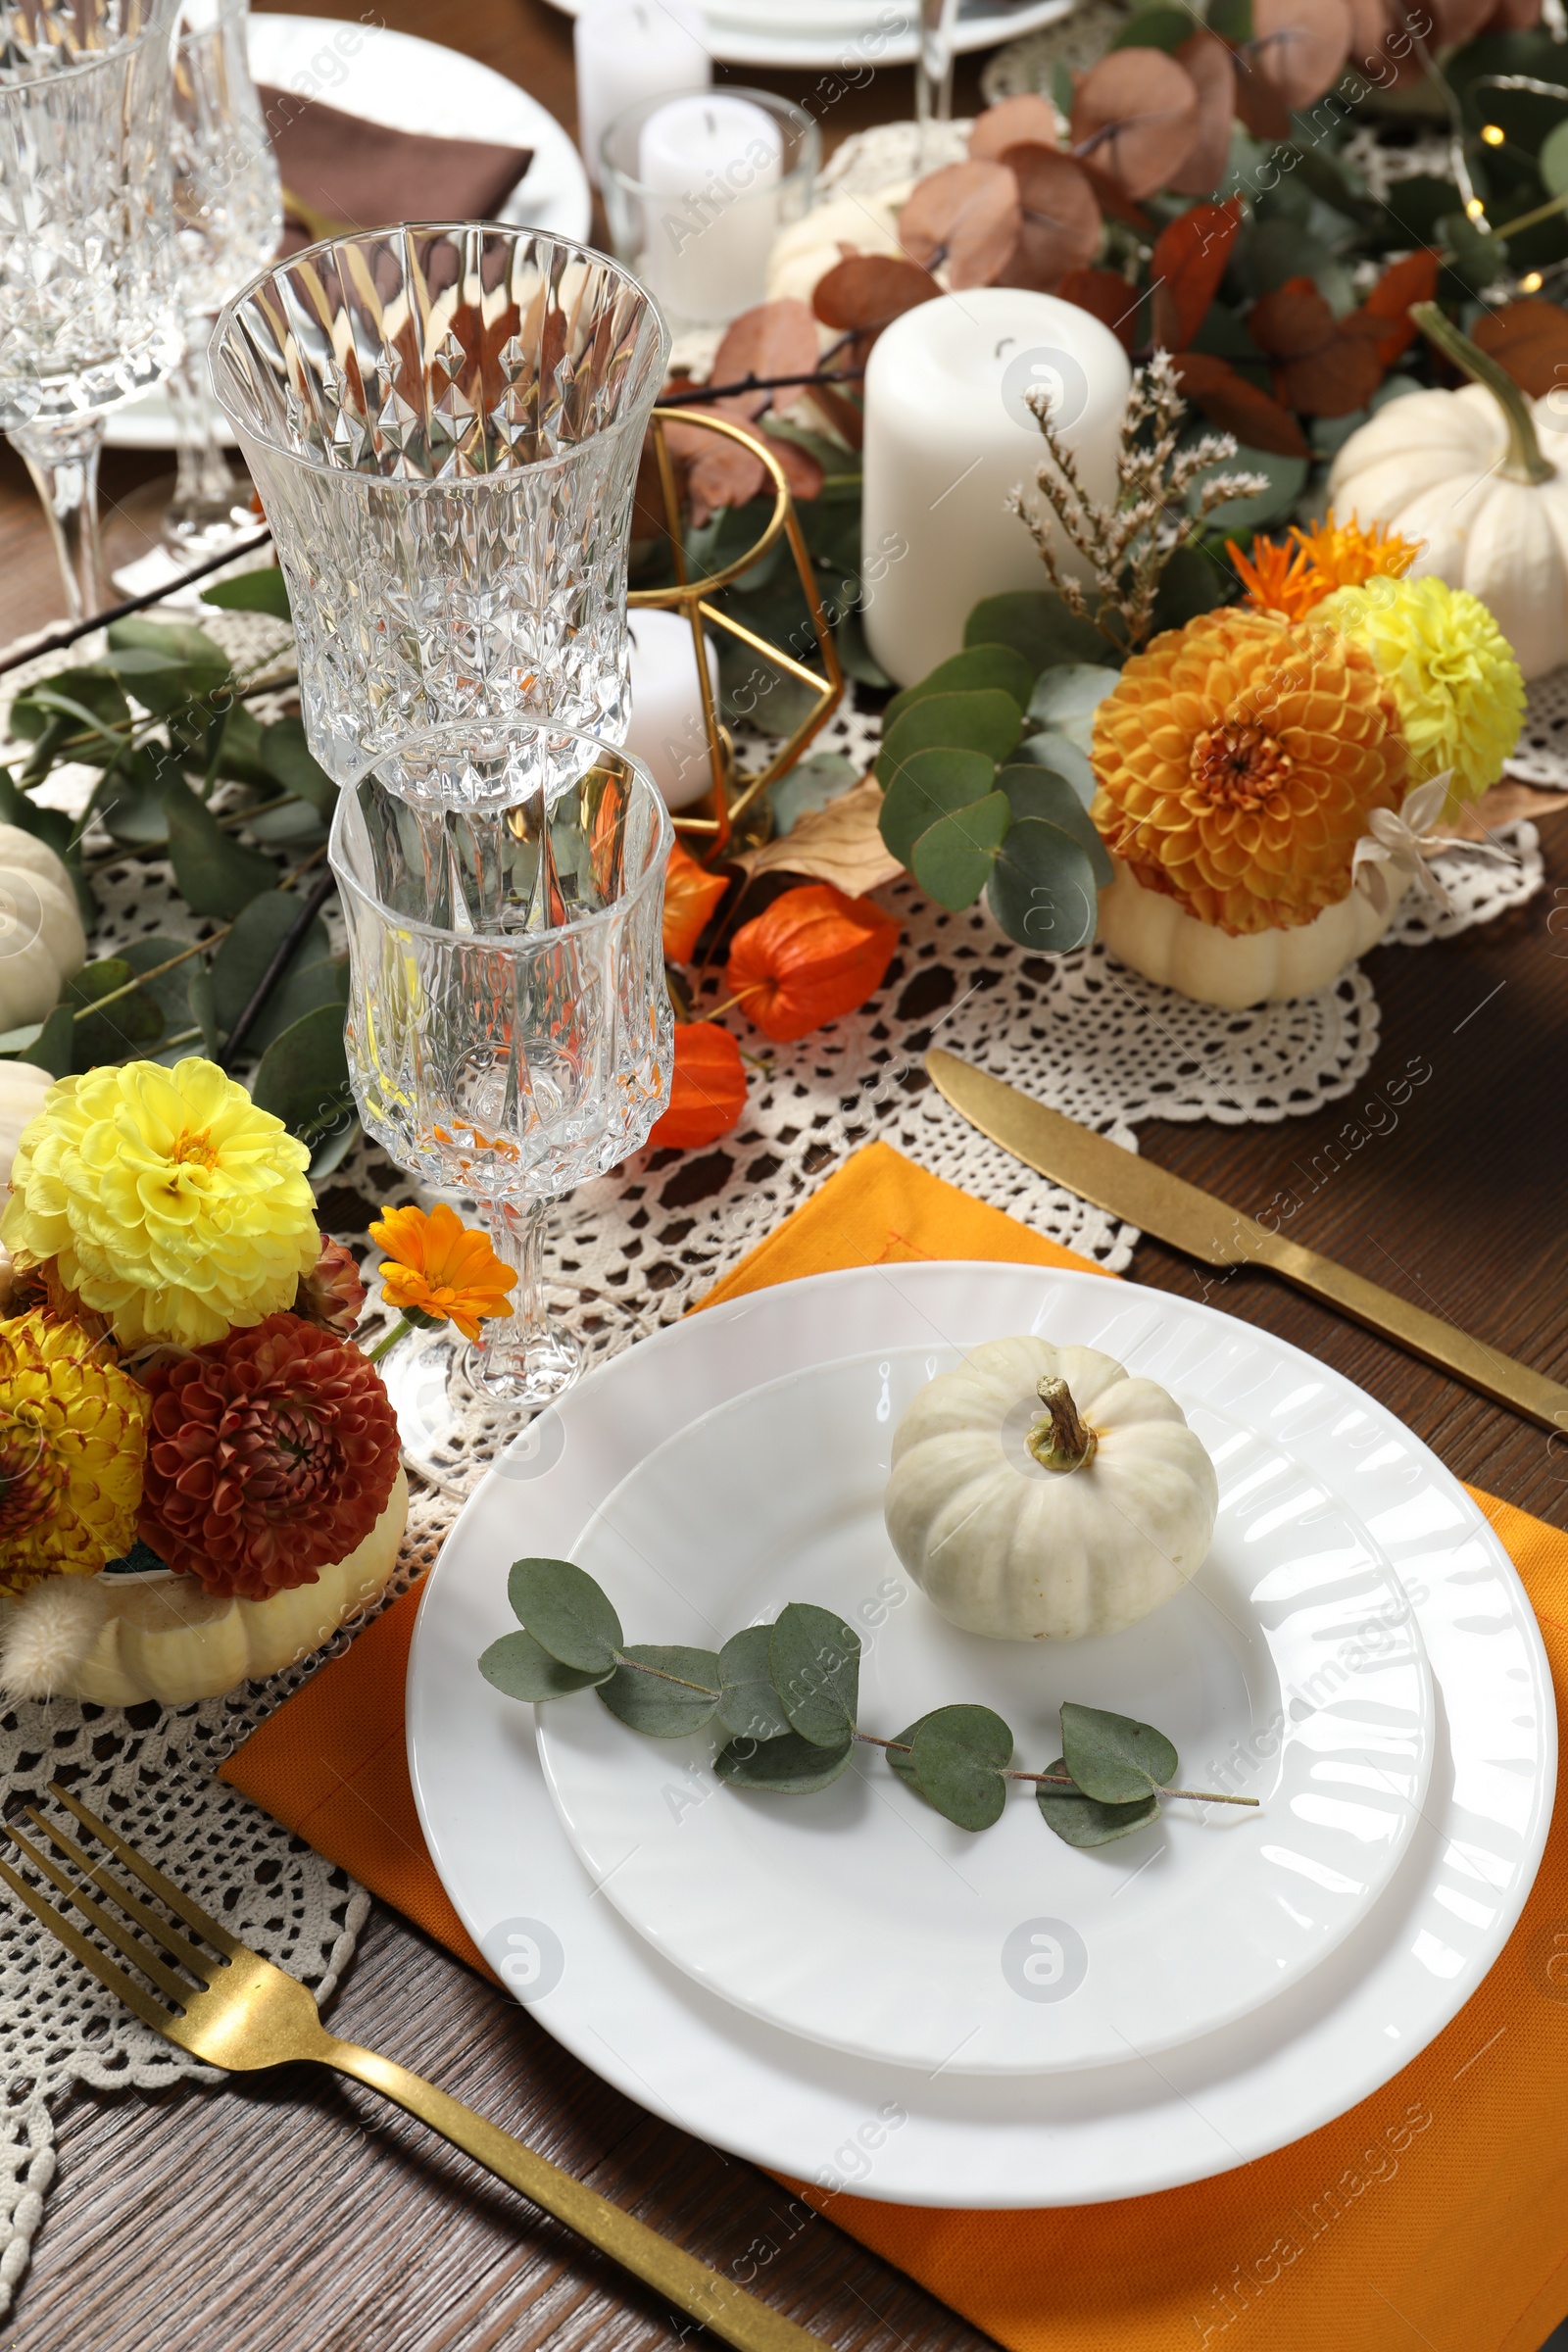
(1328, 554)
(439, 1266)
(1277, 578)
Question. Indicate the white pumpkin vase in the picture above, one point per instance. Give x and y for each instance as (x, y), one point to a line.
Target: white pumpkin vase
(1151, 934)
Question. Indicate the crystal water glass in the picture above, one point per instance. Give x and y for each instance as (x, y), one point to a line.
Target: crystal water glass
(445, 424)
(228, 217)
(510, 1034)
(87, 315)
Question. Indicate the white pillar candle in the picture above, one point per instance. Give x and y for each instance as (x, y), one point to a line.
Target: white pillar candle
(666, 731)
(948, 435)
(631, 49)
(718, 160)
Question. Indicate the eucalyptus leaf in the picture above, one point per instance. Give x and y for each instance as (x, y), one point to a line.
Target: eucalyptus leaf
(1114, 1758)
(814, 1659)
(748, 1705)
(855, 658)
(1079, 1820)
(213, 874)
(1056, 752)
(978, 666)
(264, 590)
(809, 786)
(303, 1077)
(1043, 792)
(958, 1756)
(125, 1027)
(929, 785)
(166, 664)
(169, 989)
(129, 799)
(566, 1612)
(984, 720)
(516, 1665)
(1551, 164)
(1192, 582)
(239, 747)
(954, 858)
(664, 1691)
(290, 762)
(1038, 626)
(55, 1046)
(310, 978)
(73, 702)
(1066, 697)
(1041, 888)
(789, 1767)
(199, 1000)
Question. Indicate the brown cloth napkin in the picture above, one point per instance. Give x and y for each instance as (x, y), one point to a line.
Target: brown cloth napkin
(339, 171)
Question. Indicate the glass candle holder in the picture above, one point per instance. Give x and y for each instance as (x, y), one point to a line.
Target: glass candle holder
(444, 424)
(698, 187)
(510, 1033)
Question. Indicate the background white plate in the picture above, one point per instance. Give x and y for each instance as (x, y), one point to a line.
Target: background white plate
(862, 1920)
(887, 2131)
(408, 84)
(762, 33)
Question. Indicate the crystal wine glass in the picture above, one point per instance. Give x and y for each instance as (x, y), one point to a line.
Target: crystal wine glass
(510, 1034)
(228, 217)
(933, 70)
(445, 424)
(88, 315)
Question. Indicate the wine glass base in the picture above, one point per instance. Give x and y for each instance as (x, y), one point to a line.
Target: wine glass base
(452, 1429)
(206, 527)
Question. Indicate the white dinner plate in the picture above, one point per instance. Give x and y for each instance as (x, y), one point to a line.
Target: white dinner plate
(946, 2140)
(859, 32)
(862, 1920)
(408, 84)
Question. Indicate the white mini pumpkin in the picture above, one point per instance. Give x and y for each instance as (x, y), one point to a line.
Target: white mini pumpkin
(1041, 1493)
(1469, 473)
(23, 1088)
(43, 944)
(1151, 934)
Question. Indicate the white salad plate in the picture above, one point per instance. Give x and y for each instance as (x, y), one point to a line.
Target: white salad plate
(853, 33)
(931, 2135)
(862, 1919)
(408, 84)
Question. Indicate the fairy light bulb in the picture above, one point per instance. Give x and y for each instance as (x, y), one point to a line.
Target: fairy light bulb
(1492, 133)
(1475, 210)
(1531, 284)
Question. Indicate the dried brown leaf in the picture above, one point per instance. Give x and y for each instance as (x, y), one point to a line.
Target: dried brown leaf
(1135, 117)
(1028, 120)
(966, 216)
(1236, 406)
(1207, 61)
(1331, 382)
(839, 843)
(1062, 221)
(1530, 339)
(1108, 298)
(777, 338)
(1415, 279)
(1187, 265)
(1299, 46)
(866, 291)
(1504, 804)
(1292, 321)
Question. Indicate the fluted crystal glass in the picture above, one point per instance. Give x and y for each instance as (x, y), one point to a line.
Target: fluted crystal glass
(228, 217)
(444, 424)
(87, 316)
(510, 1034)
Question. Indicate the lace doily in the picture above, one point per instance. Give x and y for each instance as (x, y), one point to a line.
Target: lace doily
(1540, 756)
(629, 1253)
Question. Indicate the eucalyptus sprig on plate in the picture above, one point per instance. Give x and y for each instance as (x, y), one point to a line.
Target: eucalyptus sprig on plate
(788, 1694)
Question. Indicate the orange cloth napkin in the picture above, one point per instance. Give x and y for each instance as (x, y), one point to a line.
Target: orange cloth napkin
(1435, 2214)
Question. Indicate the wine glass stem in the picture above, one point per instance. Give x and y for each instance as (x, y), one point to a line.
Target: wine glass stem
(204, 481)
(63, 461)
(517, 1231)
(933, 70)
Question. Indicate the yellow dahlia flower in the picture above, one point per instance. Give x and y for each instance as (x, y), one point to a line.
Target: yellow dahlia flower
(1452, 673)
(167, 1201)
(73, 1441)
(1238, 759)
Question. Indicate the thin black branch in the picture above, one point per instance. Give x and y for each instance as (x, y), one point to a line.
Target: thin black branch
(250, 1011)
(62, 638)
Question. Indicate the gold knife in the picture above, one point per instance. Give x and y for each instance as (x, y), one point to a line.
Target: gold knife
(1194, 1222)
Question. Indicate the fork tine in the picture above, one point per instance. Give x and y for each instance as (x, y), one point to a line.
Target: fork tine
(148, 1962)
(150, 1923)
(125, 1988)
(167, 1891)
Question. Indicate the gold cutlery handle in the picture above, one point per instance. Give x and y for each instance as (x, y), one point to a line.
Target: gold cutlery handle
(727, 2309)
(1424, 1335)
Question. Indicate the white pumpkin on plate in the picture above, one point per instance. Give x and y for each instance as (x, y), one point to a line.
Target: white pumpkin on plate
(1042, 1493)
(43, 944)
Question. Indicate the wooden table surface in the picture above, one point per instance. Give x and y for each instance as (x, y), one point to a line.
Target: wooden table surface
(293, 2214)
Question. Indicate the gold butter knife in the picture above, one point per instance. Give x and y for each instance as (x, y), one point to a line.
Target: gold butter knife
(1194, 1222)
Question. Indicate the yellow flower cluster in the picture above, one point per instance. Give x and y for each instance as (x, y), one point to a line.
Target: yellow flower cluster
(73, 1442)
(1459, 692)
(165, 1201)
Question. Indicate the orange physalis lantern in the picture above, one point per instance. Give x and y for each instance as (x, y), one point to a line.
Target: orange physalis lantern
(690, 896)
(708, 1091)
(812, 955)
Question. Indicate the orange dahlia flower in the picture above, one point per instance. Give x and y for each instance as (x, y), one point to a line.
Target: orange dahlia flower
(1238, 759)
(439, 1266)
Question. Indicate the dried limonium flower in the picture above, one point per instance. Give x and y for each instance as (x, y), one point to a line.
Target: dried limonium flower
(1128, 544)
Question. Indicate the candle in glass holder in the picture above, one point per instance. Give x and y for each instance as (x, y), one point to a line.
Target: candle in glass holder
(631, 49)
(949, 433)
(665, 730)
(709, 168)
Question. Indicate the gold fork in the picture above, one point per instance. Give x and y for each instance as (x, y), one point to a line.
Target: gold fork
(243, 2013)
